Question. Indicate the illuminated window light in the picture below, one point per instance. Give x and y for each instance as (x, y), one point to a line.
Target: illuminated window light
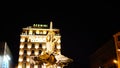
(58, 47)
(22, 39)
(43, 46)
(28, 59)
(59, 41)
(37, 31)
(20, 59)
(30, 32)
(21, 52)
(44, 32)
(36, 46)
(36, 53)
(29, 46)
(21, 46)
(41, 32)
(28, 52)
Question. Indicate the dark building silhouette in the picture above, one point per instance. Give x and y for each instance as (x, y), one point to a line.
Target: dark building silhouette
(107, 56)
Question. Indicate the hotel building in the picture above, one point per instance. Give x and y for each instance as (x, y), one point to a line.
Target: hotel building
(37, 43)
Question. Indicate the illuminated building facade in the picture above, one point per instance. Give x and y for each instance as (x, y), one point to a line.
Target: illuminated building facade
(40, 47)
(5, 56)
(108, 56)
(117, 46)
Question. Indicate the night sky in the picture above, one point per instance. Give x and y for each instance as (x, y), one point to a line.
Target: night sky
(83, 30)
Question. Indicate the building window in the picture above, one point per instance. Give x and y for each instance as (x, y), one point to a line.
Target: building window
(28, 52)
(40, 45)
(34, 32)
(25, 52)
(58, 46)
(22, 39)
(26, 39)
(40, 51)
(21, 52)
(36, 52)
(24, 58)
(20, 59)
(29, 46)
(33, 45)
(21, 46)
(30, 32)
(27, 32)
(44, 32)
(41, 32)
(25, 46)
(36, 46)
(37, 31)
(33, 51)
